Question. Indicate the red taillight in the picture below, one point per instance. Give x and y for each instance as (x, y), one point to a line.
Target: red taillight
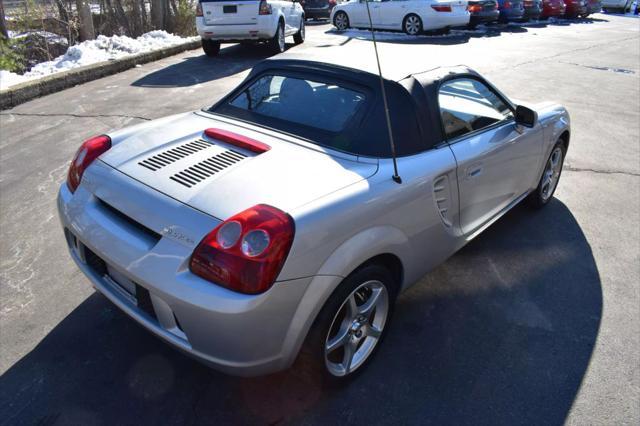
(246, 252)
(441, 8)
(332, 2)
(264, 8)
(506, 5)
(199, 10)
(238, 140)
(474, 8)
(86, 154)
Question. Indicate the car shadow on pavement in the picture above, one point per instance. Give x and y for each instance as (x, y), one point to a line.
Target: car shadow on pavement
(398, 37)
(202, 69)
(501, 333)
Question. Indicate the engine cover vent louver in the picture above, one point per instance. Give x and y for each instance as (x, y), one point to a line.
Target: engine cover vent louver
(204, 169)
(172, 155)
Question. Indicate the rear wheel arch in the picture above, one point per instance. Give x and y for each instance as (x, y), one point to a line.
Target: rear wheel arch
(389, 261)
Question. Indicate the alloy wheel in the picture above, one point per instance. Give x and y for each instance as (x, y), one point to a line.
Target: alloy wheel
(412, 25)
(356, 328)
(341, 21)
(551, 174)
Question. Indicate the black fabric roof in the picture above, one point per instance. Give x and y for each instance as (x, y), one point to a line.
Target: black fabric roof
(413, 105)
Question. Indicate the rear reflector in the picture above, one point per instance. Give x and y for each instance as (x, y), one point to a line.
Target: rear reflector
(237, 140)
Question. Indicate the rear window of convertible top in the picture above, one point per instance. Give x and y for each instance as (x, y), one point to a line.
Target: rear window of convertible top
(312, 104)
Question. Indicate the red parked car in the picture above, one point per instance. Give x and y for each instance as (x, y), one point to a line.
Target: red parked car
(575, 8)
(553, 8)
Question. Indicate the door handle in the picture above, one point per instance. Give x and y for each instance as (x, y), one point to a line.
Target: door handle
(474, 171)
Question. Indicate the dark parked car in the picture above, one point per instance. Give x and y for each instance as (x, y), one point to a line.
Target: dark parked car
(483, 12)
(552, 8)
(317, 9)
(575, 8)
(511, 10)
(593, 6)
(532, 9)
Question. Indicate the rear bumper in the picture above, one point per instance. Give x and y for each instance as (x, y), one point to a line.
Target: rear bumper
(318, 13)
(552, 11)
(575, 9)
(511, 14)
(484, 16)
(262, 29)
(231, 332)
(446, 20)
(532, 12)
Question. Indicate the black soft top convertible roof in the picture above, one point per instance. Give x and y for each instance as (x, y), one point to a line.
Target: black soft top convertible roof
(413, 106)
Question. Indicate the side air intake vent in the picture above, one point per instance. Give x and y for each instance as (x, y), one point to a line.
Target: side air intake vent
(172, 155)
(442, 197)
(207, 168)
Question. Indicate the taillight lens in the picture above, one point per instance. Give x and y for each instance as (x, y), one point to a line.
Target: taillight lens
(246, 252)
(474, 8)
(199, 10)
(506, 5)
(86, 154)
(441, 8)
(264, 8)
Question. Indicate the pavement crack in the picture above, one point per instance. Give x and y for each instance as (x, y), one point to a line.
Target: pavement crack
(28, 114)
(604, 172)
(568, 52)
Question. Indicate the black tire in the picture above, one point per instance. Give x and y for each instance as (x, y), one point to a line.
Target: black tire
(211, 48)
(537, 199)
(311, 360)
(276, 44)
(472, 26)
(298, 38)
(341, 21)
(408, 29)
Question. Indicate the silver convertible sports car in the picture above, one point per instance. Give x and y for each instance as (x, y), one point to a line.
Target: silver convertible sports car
(271, 227)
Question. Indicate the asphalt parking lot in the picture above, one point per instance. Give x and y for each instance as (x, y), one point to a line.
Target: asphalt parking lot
(537, 321)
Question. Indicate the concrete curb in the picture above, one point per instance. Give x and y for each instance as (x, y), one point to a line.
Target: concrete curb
(26, 91)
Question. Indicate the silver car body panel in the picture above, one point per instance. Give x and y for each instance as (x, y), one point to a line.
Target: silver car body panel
(144, 226)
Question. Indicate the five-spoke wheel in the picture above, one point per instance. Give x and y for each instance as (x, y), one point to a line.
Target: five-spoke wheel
(356, 328)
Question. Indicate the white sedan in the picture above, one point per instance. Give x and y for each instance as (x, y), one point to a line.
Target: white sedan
(410, 16)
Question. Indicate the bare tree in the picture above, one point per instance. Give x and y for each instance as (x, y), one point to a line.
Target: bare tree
(3, 24)
(159, 11)
(86, 20)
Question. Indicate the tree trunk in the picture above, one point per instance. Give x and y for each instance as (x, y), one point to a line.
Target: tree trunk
(157, 14)
(3, 24)
(86, 20)
(122, 16)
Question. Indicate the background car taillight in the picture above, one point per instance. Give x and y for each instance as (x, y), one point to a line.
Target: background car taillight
(199, 10)
(475, 8)
(506, 5)
(332, 3)
(441, 8)
(86, 154)
(264, 8)
(246, 252)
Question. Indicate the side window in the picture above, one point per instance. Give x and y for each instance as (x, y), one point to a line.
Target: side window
(467, 105)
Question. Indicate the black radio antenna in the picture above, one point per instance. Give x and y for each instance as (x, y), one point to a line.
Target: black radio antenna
(396, 178)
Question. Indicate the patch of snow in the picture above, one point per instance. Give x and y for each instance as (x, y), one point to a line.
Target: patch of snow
(8, 79)
(50, 37)
(92, 51)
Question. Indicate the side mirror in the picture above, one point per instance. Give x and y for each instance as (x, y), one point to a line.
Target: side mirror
(526, 116)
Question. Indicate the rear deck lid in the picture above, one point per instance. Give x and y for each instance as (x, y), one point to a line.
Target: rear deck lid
(220, 178)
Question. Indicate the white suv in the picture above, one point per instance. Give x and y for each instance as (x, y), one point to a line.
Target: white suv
(240, 21)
